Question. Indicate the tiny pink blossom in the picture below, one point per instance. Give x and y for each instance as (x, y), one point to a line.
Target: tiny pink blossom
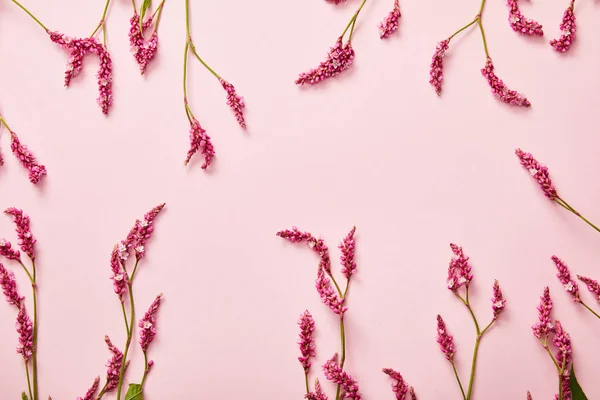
(564, 276)
(592, 285)
(27, 159)
(235, 102)
(199, 140)
(348, 250)
(145, 229)
(562, 342)
(338, 60)
(500, 90)
(445, 339)
(568, 29)
(390, 24)
(25, 331)
(26, 239)
(329, 297)
(436, 71)
(334, 373)
(545, 325)
(9, 287)
(147, 324)
(119, 276)
(399, 387)
(318, 394)
(306, 341)
(318, 245)
(7, 251)
(90, 395)
(519, 23)
(142, 50)
(113, 366)
(539, 172)
(498, 302)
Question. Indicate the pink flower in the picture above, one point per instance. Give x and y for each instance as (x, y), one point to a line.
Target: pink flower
(529, 396)
(348, 248)
(413, 395)
(145, 229)
(565, 278)
(336, 1)
(445, 339)
(90, 395)
(27, 159)
(459, 270)
(318, 245)
(25, 331)
(234, 101)
(500, 90)
(539, 172)
(119, 276)
(199, 140)
(147, 324)
(318, 394)
(498, 302)
(592, 285)
(142, 50)
(562, 342)
(436, 71)
(334, 373)
(566, 386)
(9, 287)
(399, 387)
(338, 60)
(545, 325)
(7, 251)
(113, 366)
(329, 297)
(390, 24)
(130, 243)
(520, 23)
(306, 341)
(26, 240)
(568, 29)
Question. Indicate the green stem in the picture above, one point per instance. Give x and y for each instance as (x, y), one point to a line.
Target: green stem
(352, 31)
(102, 392)
(336, 285)
(458, 380)
(129, 331)
(353, 20)
(125, 316)
(212, 71)
(3, 122)
(28, 379)
(145, 369)
(158, 14)
(102, 23)
(462, 29)
(566, 205)
(545, 346)
(26, 271)
(485, 47)
(31, 15)
(560, 391)
(133, 4)
(343, 357)
(306, 382)
(473, 365)
(35, 334)
(590, 310)
(185, 59)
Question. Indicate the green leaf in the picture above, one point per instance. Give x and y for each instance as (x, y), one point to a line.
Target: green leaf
(145, 6)
(134, 392)
(24, 396)
(576, 391)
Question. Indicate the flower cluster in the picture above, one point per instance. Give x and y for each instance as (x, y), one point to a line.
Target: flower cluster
(564, 275)
(329, 297)
(445, 339)
(500, 90)
(592, 285)
(338, 60)
(498, 302)
(7, 251)
(459, 270)
(91, 391)
(25, 331)
(318, 394)
(544, 325)
(143, 50)
(235, 102)
(79, 48)
(26, 239)
(399, 386)
(119, 276)
(200, 141)
(539, 172)
(147, 324)
(568, 29)
(436, 71)
(390, 24)
(318, 245)
(27, 159)
(334, 373)
(306, 341)
(348, 248)
(9, 287)
(113, 366)
(521, 24)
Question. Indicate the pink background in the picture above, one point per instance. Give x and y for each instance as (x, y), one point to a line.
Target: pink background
(375, 148)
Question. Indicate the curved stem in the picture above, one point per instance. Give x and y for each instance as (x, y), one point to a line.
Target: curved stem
(353, 20)
(343, 356)
(31, 15)
(133, 4)
(545, 346)
(128, 342)
(212, 71)
(102, 392)
(337, 287)
(28, 380)
(590, 310)
(566, 205)
(462, 390)
(26, 271)
(146, 369)
(485, 47)
(35, 334)
(462, 29)
(102, 23)
(158, 14)
(185, 58)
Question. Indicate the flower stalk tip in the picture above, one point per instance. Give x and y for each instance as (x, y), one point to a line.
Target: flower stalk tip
(306, 340)
(445, 339)
(521, 24)
(390, 24)
(568, 29)
(564, 276)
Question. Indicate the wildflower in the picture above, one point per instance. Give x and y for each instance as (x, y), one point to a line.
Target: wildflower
(436, 71)
(498, 303)
(568, 29)
(334, 373)
(539, 173)
(399, 387)
(142, 50)
(119, 276)
(562, 342)
(234, 101)
(27, 159)
(459, 270)
(338, 60)
(592, 285)
(348, 248)
(390, 24)
(565, 278)
(26, 240)
(520, 23)
(318, 245)
(500, 90)
(9, 287)
(545, 325)
(199, 140)
(306, 341)
(113, 366)
(90, 395)
(147, 324)
(7, 251)
(145, 229)
(445, 339)
(318, 394)
(328, 295)
(25, 331)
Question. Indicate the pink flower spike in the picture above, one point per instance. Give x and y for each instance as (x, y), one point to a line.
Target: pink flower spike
(328, 295)
(566, 386)
(592, 285)
(459, 265)
(436, 71)
(318, 245)
(142, 50)
(147, 324)
(564, 276)
(145, 229)
(338, 60)
(334, 373)
(26, 240)
(7, 251)
(318, 394)
(235, 102)
(529, 396)
(199, 140)
(539, 172)
(500, 90)
(545, 325)
(348, 249)
(390, 24)
(119, 276)
(498, 302)
(399, 387)
(562, 342)
(27, 159)
(445, 339)
(568, 29)
(306, 341)
(413, 395)
(9, 287)
(521, 24)
(113, 366)
(127, 246)
(90, 395)
(25, 331)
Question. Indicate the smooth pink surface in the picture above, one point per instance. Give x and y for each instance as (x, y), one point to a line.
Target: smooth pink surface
(375, 148)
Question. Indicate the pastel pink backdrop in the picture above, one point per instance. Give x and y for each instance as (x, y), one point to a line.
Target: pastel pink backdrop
(375, 148)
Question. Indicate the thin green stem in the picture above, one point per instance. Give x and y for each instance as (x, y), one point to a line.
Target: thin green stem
(31, 15)
(212, 71)
(566, 205)
(187, 20)
(146, 369)
(129, 335)
(133, 4)
(102, 392)
(590, 310)
(3, 122)
(487, 327)
(545, 345)
(135, 267)
(560, 391)
(352, 30)
(158, 14)
(102, 23)
(26, 271)
(481, 8)
(125, 316)
(353, 19)
(343, 357)
(473, 367)
(462, 29)
(185, 61)
(306, 382)
(485, 47)
(35, 333)
(336, 285)
(462, 390)
(28, 380)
